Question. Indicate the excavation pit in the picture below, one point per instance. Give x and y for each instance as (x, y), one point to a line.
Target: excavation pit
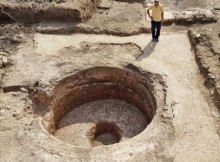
(100, 106)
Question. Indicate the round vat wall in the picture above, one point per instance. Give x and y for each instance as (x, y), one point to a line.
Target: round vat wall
(100, 106)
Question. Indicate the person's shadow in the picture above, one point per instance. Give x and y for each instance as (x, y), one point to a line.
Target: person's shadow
(148, 50)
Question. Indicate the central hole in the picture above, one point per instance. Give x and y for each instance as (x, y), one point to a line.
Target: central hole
(106, 139)
(106, 134)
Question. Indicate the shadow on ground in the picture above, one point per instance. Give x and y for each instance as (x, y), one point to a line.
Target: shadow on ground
(148, 50)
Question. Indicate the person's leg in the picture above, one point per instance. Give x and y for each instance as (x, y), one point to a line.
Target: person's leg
(153, 26)
(158, 26)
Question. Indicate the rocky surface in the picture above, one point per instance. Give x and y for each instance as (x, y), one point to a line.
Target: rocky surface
(74, 11)
(206, 44)
(99, 17)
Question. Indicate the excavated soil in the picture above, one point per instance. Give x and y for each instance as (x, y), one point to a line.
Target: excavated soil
(83, 81)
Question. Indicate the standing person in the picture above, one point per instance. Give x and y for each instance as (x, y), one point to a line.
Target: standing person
(156, 19)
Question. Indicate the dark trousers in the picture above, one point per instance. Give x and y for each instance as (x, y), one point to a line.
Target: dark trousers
(155, 28)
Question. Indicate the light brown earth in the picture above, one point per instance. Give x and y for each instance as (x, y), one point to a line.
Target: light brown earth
(79, 94)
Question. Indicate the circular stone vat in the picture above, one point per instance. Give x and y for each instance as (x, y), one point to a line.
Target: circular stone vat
(100, 106)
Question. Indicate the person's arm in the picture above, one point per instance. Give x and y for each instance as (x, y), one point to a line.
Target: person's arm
(162, 16)
(148, 13)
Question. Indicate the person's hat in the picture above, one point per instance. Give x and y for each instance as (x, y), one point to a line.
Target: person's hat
(156, 0)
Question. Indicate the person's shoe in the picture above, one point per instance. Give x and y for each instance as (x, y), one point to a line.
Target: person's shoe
(156, 39)
(153, 39)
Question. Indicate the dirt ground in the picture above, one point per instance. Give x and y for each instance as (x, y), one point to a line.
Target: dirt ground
(160, 103)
